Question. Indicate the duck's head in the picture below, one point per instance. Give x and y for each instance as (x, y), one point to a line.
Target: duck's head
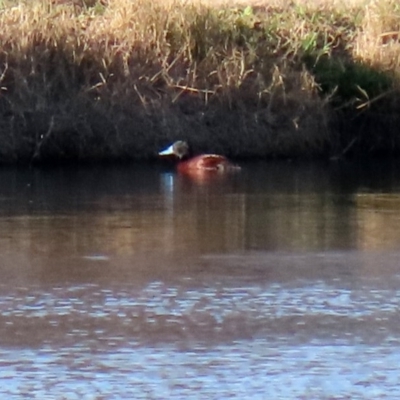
(179, 149)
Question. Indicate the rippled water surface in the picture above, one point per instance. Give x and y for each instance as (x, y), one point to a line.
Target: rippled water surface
(131, 282)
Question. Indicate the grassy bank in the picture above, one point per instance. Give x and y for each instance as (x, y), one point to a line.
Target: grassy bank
(118, 79)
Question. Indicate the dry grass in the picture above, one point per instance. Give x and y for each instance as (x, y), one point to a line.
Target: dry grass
(119, 78)
(378, 42)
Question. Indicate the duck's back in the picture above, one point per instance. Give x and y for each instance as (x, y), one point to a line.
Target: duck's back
(206, 162)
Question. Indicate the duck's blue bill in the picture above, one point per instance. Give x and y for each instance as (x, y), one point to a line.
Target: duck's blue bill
(168, 151)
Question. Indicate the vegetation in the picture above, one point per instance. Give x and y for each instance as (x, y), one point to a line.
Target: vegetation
(118, 79)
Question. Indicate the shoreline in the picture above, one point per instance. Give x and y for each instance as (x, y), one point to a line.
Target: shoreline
(117, 80)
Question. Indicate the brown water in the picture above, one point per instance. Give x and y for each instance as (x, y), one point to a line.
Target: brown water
(280, 282)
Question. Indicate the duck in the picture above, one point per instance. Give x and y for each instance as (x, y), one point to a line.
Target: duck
(201, 163)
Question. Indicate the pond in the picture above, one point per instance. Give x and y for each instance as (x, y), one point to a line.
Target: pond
(281, 281)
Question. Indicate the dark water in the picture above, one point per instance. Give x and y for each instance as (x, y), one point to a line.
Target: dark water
(280, 282)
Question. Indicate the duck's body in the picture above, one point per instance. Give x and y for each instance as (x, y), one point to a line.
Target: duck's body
(201, 163)
(205, 162)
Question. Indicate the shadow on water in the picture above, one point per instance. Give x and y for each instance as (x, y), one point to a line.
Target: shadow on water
(270, 270)
(151, 219)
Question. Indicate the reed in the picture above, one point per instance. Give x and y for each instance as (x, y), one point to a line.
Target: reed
(116, 79)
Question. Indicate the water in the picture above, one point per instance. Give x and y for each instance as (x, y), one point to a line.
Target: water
(281, 282)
